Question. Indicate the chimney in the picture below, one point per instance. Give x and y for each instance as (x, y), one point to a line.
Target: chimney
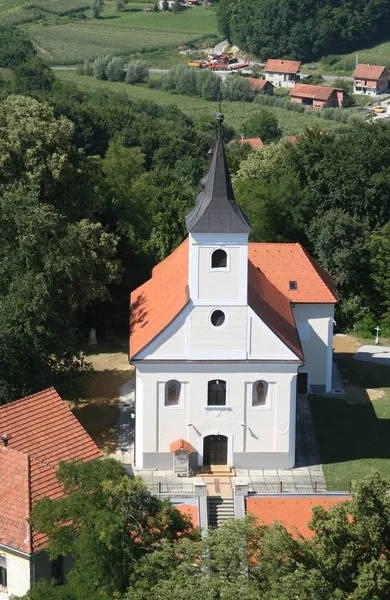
(4, 438)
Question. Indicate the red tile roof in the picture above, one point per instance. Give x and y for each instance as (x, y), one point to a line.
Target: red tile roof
(276, 65)
(181, 445)
(294, 512)
(259, 84)
(42, 432)
(253, 142)
(315, 92)
(363, 71)
(158, 301)
(189, 511)
(163, 297)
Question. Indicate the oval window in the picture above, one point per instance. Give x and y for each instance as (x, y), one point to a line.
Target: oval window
(172, 393)
(217, 318)
(219, 259)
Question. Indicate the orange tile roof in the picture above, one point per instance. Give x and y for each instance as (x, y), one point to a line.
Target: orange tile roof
(42, 432)
(161, 299)
(181, 445)
(253, 142)
(293, 512)
(189, 511)
(316, 92)
(364, 71)
(158, 301)
(276, 65)
(258, 84)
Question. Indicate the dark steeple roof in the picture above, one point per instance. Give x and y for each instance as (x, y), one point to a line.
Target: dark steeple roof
(216, 210)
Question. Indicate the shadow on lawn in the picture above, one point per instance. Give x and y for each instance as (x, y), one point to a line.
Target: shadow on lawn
(351, 429)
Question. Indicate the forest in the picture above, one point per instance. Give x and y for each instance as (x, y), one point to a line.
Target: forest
(303, 29)
(94, 188)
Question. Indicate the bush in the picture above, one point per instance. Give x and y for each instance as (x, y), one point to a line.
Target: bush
(137, 72)
(264, 125)
(115, 70)
(208, 85)
(365, 328)
(96, 8)
(330, 60)
(99, 67)
(236, 89)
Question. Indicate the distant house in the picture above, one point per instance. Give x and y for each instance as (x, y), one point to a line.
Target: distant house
(170, 4)
(317, 96)
(282, 73)
(37, 432)
(257, 142)
(261, 86)
(370, 79)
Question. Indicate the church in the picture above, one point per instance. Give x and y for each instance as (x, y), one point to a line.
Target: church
(223, 337)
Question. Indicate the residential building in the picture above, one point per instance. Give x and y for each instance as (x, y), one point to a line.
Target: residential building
(370, 79)
(317, 96)
(282, 73)
(37, 432)
(261, 86)
(223, 335)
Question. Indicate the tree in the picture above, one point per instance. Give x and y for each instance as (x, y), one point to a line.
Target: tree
(208, 85)
(97, 7)
(32, 75)
(99, 67)
(137, 72)
(165, 5)
(236, 89)
(15, 48)
(379, 251)
(111, 522)
(121, 4)
(264, 125)
(115, 70)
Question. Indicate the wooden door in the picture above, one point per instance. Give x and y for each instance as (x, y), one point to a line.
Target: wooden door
(215, 450)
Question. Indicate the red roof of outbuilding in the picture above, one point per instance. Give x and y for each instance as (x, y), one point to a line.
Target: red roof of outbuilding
(276, 65)
(294, 512)
(156, 303)
(42, 432)
(315, 92)
(259, 84)
(254, 143)
(181, 445)
(363, 71)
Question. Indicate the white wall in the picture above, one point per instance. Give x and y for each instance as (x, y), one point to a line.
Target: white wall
(315, 325)
(18, 574)
(263, 429)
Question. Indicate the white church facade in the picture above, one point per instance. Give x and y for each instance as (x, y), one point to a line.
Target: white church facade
(223, 335)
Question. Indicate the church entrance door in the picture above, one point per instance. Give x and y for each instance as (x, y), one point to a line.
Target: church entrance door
(215, 450)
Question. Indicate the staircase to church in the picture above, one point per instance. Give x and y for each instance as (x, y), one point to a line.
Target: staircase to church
(220, 510)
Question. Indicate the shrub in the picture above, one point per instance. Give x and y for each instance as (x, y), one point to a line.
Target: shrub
(208, 85)
(330, 60)
(264, 125)
(99, 67)
(137, 72)
(115, 70)
(236, 89)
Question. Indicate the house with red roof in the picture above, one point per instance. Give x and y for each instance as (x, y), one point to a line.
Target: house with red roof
(36, 434)
(282, 73)
(370, 79)
(223, 336)
(317, 96)
(261, 86)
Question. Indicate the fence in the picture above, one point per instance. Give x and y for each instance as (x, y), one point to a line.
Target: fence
(163, 488)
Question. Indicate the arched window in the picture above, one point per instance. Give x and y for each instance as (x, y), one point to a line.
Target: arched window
(259, 393)
(216, 393)
(172, 393)
(219, 259)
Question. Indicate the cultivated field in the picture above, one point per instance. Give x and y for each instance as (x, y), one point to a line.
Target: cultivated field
(236, 113)
(72, 43)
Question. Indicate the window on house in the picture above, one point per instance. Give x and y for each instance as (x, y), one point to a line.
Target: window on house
(172, 393)
(57, 570)
(217, 318)
(216, 393)
(292, 285)
(259, 393)
(219, 259)
(3, 572)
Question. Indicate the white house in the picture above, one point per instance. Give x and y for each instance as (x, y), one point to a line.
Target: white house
(282, 73)
(37, 432)
(221, 336)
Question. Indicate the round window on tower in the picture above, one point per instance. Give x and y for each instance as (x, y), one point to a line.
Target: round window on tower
(217, 318)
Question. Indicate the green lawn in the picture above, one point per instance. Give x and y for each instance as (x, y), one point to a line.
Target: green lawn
(236, 113)
(354, 433)
(345, 63)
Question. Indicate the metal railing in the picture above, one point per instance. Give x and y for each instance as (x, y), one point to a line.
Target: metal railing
(180, 488)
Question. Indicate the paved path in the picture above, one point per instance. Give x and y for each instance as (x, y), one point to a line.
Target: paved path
(375, 354)
(126, 434)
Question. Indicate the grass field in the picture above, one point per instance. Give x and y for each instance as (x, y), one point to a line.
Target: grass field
(236, 113)
(354, 432)
(344, 64)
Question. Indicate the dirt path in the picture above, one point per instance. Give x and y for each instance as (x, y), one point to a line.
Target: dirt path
(98, 410)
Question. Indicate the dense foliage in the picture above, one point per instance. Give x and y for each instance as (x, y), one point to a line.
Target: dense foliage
(117, 546)
(331, 193)
(302, 29)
